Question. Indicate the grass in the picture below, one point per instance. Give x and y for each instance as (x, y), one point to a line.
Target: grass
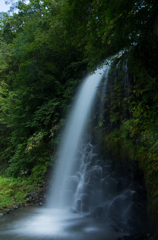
(13, 192)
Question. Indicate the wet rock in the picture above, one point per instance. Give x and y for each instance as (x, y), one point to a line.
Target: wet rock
(119, 187)
(129, 193)
(46, 195)
(137, 224)
(84, 208)
(89, 148)
(93, 158)
(78, 205)
(73, 210)
(4, 211)
(109, 185)
(141, 236)
(32, 193)
(84, 199)
(87, 176)
(88, 166)
(98, 212)
(86, 188)
(95, 174)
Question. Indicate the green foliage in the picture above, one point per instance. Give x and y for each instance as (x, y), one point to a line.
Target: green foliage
(44, 51)
(39, 72)
(102, 28)
(13, 192)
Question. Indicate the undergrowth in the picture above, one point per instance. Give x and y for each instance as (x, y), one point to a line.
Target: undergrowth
(13, 192)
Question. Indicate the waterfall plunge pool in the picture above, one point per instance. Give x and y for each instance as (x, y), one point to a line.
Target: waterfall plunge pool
(33, 223)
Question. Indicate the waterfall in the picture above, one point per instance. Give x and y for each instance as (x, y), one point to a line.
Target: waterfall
(102, 96)
(84, 183)
(92, 197)
(66, 164)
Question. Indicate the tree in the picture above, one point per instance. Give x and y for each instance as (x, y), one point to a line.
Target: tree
(37, 80)
(102, 28)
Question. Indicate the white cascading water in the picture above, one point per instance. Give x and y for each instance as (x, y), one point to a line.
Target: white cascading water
(71, 139)
(103, 90)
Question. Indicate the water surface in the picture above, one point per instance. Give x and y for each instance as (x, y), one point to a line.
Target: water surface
(34, 223)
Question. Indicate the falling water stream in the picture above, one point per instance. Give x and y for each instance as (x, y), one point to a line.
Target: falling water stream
(87, 200)
(71, 139)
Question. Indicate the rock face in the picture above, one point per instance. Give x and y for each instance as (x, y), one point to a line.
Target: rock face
(107, 192)
(106, 189)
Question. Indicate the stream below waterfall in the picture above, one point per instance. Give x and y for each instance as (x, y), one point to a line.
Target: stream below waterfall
(35, 223)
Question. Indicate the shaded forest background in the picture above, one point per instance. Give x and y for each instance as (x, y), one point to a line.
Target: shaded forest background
(45, 50)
